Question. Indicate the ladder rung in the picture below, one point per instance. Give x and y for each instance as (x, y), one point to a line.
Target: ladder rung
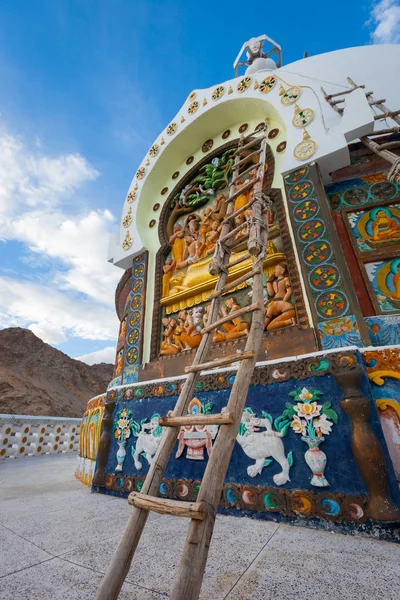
(245, 172)
(233, 232)
(239, 210)
(164, 506)
(243, 189)
(248, 145)
(233, 284)
(239, 260)
(220, 362)
(375, 102)
(216, 419)
(235, 166)
(387, 115)
(238, 241)
(232, 315)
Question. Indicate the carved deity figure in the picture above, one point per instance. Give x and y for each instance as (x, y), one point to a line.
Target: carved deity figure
(168, 268)
(279, 312)
(177, 242)
(192, 252)
(236, 328)
(168, 345)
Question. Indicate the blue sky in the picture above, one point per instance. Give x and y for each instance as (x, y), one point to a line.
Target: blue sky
(86, 86)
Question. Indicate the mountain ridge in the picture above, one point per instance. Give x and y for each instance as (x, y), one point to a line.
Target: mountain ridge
(37, 379)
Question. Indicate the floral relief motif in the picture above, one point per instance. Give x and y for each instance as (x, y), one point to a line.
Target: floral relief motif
(154, 150)
(123, 425)
(312, 421)
(128, 218)
(127, 243)
(131, 196)
(193, 107)
(140, 173)
(267, 84)
(290, 95)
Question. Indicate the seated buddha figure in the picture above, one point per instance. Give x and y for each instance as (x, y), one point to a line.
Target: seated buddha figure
(384, 226)
(396, 283)
(279, 312)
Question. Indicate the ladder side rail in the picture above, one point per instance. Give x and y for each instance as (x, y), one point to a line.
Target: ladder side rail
(120, 563)
(190, 574)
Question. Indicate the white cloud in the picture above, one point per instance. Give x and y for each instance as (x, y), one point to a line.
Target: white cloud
(51, 333)
(106, 355)
(50, 313)
(41, 207)
(385, 22)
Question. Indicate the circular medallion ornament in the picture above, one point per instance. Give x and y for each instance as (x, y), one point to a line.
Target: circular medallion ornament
(259, 127)
(273, 133)
(137, 285)
(189, 160)
(267, 84)
(156, 206)
(355, 196)
(132, 355)
(243, 128)
(136, 301)
(127, 243)
(128, 218)
(192, 96)
(281, 147)
(301, 191)
(206, 147)
(152, 223)
(171, 129)
(331, 304)
(218, 92)
(317, 253)
(193, 107)
(306, 210)
(164, 191)
(335, 201)
(140, 173)
(296, 176)
(138, 270)
(302, 117)
(131, 197)
(133, 336)
(290, 95)
(324, 277)
(154, 150)
(175, 175)
(135, 318)
(226, 134)
(243, 84)
(311, 231)
(384, 190)
(306, 148)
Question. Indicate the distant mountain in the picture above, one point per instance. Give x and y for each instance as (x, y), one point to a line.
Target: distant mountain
(37, 379)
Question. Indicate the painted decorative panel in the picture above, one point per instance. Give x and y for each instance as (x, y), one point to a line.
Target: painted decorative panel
(384, 278)
(376, 228)
(135, 319)
(336, 323)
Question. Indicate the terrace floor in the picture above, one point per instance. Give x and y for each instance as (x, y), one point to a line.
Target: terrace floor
(56, 539)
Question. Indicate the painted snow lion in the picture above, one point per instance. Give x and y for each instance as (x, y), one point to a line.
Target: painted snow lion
(148, 439)
(263, 446)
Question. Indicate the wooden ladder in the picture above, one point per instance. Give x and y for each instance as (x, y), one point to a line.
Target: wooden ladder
(203, 512)
(382, 149)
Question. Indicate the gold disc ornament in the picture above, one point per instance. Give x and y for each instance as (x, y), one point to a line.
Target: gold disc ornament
(306, 148)
(302, 117)
(289, 96)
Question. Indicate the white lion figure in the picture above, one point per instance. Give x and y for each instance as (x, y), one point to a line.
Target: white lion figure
(261, 445)
(148, 439)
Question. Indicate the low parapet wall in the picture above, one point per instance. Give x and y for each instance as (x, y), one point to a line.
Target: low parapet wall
(22, 436)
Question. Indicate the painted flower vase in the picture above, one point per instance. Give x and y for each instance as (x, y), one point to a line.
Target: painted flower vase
(316, 460)
(121, 453)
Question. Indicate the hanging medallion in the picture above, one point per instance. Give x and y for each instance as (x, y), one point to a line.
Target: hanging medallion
(154, 150)
(290, 95)
(192, 96)
(306, 148)
(171, 128)
(140, 173)
(193, 107)
(128, 218)
(302, 117)
(131, 197)
(127, 243)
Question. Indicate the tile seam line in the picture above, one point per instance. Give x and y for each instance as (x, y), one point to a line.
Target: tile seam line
(248, 567)
(29, 567)
(29, 542)
(103, 572)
